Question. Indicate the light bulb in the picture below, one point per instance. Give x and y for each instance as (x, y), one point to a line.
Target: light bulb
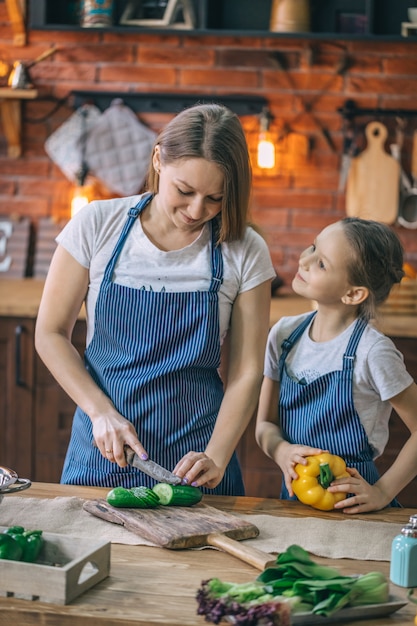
(82, 195)
(266, 145)
(266, 151)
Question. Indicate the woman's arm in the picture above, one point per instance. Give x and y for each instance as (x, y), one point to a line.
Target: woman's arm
(247, 336)
(64, 292)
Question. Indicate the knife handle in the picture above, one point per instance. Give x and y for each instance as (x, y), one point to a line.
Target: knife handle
(248, 554)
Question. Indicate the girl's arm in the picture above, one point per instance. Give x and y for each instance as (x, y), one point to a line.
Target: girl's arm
(402, 471)
(247, 340)
(64, 292)
(269, 436)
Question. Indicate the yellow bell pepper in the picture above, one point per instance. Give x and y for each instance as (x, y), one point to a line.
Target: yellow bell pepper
(313, 479)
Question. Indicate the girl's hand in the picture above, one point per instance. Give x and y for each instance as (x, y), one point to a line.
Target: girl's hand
(288, 455)
(366, 497)
(112, 433)
(198, 470)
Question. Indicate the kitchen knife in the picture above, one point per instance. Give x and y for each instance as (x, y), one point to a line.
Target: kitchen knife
(151, 468)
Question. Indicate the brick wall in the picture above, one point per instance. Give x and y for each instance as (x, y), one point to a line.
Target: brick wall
(291, 206)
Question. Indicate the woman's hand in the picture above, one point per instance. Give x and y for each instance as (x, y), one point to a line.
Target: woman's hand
(288, 455)
(365, 497)
(198, 470)
(112, 433)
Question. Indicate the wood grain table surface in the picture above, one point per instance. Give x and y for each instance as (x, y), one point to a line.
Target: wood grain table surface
(151, 586)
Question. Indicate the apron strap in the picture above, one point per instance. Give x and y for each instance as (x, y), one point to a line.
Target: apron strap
(216, 258)
(288, 343)
(349, 356)
(132, 216)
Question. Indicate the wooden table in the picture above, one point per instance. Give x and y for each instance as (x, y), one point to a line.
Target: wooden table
(152, 586)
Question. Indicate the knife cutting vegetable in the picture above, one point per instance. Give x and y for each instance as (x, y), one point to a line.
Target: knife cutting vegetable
(151, 468)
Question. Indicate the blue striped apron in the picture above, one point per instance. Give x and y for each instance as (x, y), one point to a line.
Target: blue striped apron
(156, 355)
(322, 413)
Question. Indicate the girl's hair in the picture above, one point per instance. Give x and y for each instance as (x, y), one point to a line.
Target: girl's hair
(214, 133)
(377, 261)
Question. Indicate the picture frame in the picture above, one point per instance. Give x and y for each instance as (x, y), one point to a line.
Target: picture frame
(176, 14)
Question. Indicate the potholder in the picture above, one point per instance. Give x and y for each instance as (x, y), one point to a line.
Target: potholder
(64, 145)
(118, 149)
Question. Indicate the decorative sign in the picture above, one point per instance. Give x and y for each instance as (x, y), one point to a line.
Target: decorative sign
(159, 13)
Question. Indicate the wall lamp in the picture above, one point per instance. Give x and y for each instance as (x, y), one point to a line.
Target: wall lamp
(266, 145)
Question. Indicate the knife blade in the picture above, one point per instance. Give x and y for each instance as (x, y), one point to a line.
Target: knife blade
(151, 468)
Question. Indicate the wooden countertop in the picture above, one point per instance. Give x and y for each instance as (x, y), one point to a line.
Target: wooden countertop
(21, 297)
(156, 587)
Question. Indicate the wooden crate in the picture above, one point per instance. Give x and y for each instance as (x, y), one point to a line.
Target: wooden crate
(402, 299)
(67, 566)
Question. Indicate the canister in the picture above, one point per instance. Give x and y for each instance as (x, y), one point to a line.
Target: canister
(96, 13)
(403, 568)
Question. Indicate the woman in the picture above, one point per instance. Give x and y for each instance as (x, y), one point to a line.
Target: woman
(166, 278)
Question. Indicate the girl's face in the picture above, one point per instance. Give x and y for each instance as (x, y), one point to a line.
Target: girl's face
(322, 271)
(190, 192)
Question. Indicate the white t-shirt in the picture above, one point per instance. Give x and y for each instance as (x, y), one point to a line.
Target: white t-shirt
(379, 372)
(92, 234)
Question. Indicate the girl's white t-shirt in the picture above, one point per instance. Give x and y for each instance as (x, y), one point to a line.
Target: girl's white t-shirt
(379, 372)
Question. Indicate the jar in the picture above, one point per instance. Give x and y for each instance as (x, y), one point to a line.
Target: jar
(290, 16)
(96, 13)
(403, 569)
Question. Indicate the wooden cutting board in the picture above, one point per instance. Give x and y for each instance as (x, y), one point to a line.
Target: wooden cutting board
(373, 183)
(177, 528)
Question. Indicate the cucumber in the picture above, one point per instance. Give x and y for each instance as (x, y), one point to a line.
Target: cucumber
(134, 498)
(177, 495)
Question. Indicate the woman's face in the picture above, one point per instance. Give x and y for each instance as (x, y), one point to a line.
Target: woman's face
(190, 192)
(322, 271)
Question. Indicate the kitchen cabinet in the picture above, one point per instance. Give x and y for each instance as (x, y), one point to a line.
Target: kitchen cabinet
(369, 18)
(262, 477)
(35, 413)
(16, 391)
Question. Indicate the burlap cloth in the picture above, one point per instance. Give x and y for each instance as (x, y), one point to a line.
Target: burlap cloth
(353, 539)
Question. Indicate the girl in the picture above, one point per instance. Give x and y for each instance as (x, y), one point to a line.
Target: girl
(331, 378)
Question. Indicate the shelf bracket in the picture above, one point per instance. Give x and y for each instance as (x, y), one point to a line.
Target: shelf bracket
(17, 13)
(168, 102)
(349, 111)
(11, 117)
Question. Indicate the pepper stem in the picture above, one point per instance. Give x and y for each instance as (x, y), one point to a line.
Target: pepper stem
(326, 475)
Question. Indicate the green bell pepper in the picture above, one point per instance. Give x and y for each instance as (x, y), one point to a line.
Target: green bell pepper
(29, 542)
(10, 549)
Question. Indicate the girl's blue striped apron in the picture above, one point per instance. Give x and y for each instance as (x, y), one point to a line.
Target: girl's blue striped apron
(322, 413)
(156, 355)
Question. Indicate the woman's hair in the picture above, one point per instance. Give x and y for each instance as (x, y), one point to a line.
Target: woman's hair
(214, 133)
(377, 260)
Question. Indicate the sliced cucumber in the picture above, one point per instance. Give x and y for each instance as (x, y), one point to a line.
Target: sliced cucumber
(177, 495)
(135, 498)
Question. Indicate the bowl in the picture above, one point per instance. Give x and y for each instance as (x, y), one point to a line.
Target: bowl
(10, 482)
(7, 477)
(412, 14)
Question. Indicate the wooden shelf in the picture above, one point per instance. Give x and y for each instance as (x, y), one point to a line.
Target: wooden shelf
(11, 117)
(17, 13)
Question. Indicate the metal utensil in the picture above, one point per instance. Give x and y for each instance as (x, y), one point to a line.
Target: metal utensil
(19, 76)
(151, 468)
(407, 216)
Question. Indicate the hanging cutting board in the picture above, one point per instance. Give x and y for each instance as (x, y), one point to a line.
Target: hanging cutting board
(372, 190)
(177, 528)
